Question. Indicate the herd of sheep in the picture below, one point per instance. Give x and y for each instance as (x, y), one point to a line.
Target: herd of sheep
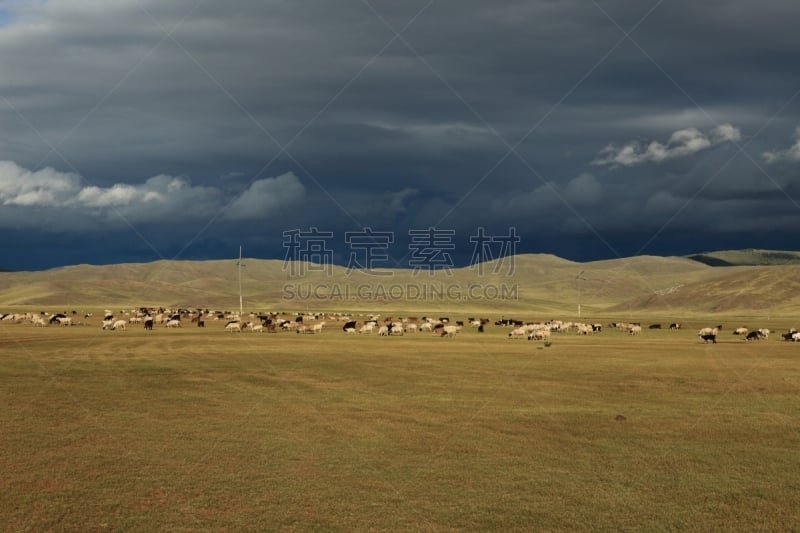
(389, 326)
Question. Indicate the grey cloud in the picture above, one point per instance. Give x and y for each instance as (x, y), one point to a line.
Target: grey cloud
(266, 197)
(583, 190)
(682, 143)
(398, 200)
(788, 154)
(579, 193)
(44, 187)
(380, 209)
(159, 199)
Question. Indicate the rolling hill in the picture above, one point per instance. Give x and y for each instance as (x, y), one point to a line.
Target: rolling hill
(548, 285)
(751, 257)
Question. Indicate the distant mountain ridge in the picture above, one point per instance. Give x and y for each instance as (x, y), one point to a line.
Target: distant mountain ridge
(749, 257)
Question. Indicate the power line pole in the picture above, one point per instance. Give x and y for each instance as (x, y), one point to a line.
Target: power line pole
(239, 264)
(579, 277)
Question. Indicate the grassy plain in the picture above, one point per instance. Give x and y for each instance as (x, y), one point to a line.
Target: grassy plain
(202, 430)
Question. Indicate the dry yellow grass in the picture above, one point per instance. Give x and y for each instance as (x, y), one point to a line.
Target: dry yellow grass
(201, 430)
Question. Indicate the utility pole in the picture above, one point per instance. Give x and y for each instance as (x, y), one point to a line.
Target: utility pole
(580, 277)
(239, 264)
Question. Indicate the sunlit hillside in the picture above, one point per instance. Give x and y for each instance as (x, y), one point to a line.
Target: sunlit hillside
(538, 283)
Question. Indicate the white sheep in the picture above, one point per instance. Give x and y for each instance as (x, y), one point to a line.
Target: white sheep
(518, 332)
(450, 331)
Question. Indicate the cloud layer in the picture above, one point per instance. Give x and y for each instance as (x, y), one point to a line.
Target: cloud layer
(156, 200)
(191, 126)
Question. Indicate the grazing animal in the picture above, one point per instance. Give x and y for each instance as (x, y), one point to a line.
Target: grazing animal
(450, 331)
(233, 326)
(517, 333)
(708, 331)
(654, 326)
(709, 337)
(349, 325)
(396, 329)
(753, 336)
(539, 335)
(675, 325)
(148, 324)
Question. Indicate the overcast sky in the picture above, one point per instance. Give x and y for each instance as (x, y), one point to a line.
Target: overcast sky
(137, 130)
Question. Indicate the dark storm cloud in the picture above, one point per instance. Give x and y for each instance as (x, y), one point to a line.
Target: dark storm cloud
(540, 115)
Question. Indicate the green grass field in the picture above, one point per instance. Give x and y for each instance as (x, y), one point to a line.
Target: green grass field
(202, 430)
